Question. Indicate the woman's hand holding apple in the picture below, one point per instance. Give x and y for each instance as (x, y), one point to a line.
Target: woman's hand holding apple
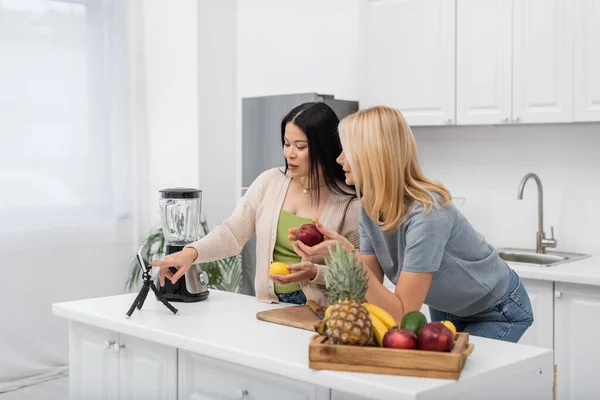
(299, 238)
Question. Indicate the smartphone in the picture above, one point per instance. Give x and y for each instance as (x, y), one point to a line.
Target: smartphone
(145, 264)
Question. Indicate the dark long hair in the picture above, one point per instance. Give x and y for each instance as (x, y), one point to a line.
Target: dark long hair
(320, 125)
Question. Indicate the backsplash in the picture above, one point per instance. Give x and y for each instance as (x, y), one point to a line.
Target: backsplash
(485, 165)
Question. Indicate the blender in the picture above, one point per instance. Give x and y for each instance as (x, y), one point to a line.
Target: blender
(180, 220)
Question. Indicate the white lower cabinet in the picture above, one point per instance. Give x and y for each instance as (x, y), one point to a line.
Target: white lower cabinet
(576, 330)
(205, 378)
(129, 368)
(567, 320)
(541, 295)
(147, 370)
(93, 368)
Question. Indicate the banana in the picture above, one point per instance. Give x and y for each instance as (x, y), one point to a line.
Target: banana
(379, 329)
(380, 313)
(321, 327)
(328, 312)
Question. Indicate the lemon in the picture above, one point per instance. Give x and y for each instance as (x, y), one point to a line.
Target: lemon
(278, 268)
(450, 326)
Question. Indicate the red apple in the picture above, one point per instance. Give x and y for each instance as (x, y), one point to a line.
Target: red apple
(435, 336)
(400, 339)
(309, 235)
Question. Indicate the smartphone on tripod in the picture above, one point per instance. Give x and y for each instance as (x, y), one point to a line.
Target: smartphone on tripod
(148, 285)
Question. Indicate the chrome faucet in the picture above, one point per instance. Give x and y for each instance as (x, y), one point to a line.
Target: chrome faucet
(541, 241)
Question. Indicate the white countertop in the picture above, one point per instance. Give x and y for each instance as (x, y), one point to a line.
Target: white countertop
(225, 327)
(585, 271)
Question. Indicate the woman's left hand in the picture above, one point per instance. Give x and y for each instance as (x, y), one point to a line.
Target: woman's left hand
(304, 270)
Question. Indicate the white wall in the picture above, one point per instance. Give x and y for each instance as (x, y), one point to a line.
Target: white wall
(217, 160)
(171, 65)
(190, 88)
(298, 46)
(486, 164)
(295, 46)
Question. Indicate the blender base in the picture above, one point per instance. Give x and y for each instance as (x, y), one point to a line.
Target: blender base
(189, 288)
(189, 298)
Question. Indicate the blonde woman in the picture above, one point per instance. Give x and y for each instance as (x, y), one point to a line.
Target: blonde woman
(412, 233)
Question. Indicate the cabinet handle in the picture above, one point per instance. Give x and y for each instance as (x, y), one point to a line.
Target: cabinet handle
(109, 344)
(557, 294)
(516, 118)
(117, 347)
(448, 121)
(505, 120)
(241, 393)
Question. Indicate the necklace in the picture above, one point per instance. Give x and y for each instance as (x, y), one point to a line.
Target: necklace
(305, 190)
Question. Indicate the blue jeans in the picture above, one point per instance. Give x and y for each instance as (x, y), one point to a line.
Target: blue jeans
(296, 297)
(506, 320)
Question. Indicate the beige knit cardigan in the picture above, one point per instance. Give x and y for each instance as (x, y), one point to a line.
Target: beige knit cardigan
(258, 212)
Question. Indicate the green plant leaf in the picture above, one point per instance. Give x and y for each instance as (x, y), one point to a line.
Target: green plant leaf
(231, 268)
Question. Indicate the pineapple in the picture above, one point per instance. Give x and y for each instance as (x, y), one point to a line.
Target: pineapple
(349, 322)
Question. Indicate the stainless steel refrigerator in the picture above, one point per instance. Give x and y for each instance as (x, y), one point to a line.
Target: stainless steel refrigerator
(262, 150)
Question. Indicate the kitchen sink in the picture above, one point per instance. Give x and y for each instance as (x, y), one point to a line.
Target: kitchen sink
(530, 257)
(541, 256)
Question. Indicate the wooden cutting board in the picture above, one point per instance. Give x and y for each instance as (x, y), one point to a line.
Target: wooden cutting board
(301, 317)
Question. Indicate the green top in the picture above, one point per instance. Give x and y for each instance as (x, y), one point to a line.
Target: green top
(284, 252)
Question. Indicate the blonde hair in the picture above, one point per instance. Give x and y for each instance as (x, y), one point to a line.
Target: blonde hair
(382, 152)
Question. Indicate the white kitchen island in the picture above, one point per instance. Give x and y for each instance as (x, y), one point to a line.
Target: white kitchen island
(217, 349)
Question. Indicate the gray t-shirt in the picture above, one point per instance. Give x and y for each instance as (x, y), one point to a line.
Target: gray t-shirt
(469, 276)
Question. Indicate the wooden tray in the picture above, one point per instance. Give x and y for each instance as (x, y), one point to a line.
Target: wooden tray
(379, 360)
(301, 317)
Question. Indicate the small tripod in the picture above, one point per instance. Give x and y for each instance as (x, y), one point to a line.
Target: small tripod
(141, 297)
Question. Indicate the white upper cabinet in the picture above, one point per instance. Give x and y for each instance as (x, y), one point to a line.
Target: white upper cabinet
(543, 61)
(408, 58)
(587, 60)
(484, 62)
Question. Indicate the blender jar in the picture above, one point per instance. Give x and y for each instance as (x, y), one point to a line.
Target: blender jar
(180, 210)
